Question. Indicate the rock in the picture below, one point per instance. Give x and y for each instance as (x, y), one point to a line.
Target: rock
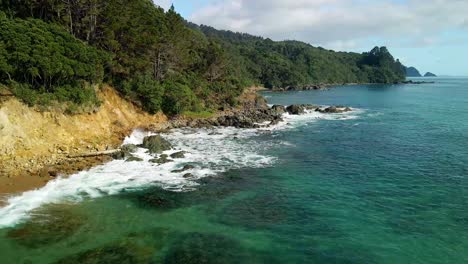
(295, 109)
(188, 175)
(309, 106)
(130, 148)
(334, 110)
(120, 155)
(156, 144)
(162, 159)
(178, 155)
(47, 172)
(185, 168)
(132, 159)
(278, 109)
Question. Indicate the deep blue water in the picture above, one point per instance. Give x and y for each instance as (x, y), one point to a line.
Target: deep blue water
(387, 186)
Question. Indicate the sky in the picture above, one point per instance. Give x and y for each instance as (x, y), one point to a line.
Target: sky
(431, 35)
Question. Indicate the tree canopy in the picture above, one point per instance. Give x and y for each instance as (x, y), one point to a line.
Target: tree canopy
(159, 60)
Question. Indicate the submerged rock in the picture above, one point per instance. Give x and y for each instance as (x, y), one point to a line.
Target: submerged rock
(185, 168)
(156, 144)
(162, 159)
(47, 226)
(295, 109)
(178, 155)
(107, 254)
(198, 248)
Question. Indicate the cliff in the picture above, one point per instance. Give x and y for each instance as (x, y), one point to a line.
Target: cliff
(34, 145)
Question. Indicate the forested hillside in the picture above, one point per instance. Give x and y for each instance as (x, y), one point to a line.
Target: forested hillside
(293, 63)
(56, 51)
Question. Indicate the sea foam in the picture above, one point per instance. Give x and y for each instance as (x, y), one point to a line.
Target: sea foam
(210, 151)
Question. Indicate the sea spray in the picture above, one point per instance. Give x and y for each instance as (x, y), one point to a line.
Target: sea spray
(209, 151)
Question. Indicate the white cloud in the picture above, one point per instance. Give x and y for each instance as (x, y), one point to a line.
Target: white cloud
(166, 4)
(340, 24)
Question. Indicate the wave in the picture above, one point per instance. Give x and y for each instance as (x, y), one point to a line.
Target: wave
(210, 151)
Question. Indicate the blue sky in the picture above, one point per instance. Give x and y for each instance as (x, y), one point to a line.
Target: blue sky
(431, 35)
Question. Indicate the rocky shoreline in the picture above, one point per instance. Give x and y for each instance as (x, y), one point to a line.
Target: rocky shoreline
(250, 118)
(252, 113)
(328, 86)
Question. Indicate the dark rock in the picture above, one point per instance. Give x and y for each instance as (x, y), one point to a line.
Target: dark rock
(416, 82)
(121, 155)
(130, 148)
(188, 176)
(178, 155)
(161, 160)
(295, 109)
(131, 159)
(309, 106)
(334, 110)
(278, 109)
(185, 168)
(156, 144)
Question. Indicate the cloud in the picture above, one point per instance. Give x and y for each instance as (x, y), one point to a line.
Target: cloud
(166, 4)
(465, 24)
(337, 23)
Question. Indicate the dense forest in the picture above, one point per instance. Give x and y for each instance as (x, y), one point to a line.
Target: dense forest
(59, 50)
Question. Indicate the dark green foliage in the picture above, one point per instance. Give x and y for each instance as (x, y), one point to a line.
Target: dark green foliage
(145, 90)
(294, 63)
(70, 99)
(42, 63)
(159, 60)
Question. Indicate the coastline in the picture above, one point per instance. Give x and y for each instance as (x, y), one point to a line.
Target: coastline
(36, 147)
(83, 150)
(327, 86)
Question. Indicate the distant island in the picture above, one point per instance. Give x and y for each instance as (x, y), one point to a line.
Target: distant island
(412, 72)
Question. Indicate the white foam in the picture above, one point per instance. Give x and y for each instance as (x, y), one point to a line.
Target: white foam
(211, 151)
(309, 116)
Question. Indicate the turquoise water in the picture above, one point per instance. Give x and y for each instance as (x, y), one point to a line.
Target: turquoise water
(387, 184)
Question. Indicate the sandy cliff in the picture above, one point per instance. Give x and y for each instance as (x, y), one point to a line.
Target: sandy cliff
(34, 145)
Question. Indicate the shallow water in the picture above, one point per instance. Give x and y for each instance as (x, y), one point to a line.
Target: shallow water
(386, 183)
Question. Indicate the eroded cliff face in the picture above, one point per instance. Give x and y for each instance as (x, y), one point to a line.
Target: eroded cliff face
(34, 145)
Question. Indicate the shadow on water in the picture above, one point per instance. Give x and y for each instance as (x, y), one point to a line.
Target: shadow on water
(211, 190)
(205, 248)
(48, 225)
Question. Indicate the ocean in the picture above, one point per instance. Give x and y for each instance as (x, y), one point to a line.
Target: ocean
(385, 183)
